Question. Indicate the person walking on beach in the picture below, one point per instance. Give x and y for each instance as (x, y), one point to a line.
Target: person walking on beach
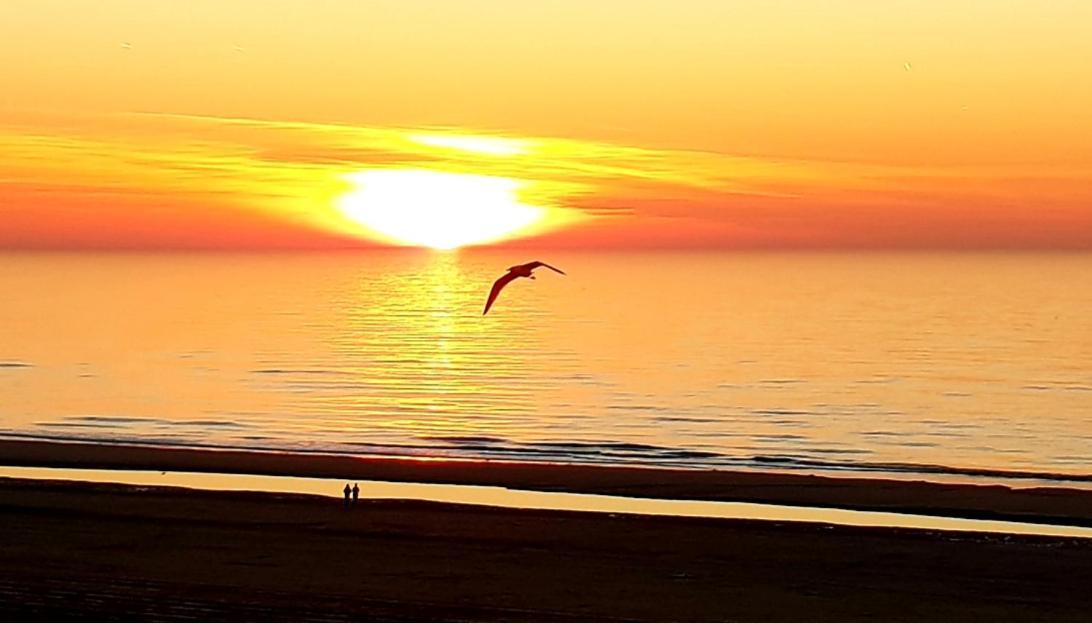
(356, 493)
(347, 492)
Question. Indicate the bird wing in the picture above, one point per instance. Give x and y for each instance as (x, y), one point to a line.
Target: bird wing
(536, 264)
(498, 285)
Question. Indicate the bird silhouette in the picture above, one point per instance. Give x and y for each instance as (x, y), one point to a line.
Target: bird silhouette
(515, 272)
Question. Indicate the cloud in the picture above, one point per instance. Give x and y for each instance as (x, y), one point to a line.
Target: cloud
(222, 172)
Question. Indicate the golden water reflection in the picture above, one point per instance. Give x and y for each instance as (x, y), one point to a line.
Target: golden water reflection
(965, 365)
(425, 355)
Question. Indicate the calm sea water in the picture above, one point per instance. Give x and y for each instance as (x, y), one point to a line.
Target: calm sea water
(910, 363)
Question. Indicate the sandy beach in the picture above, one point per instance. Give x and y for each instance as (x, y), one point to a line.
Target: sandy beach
(73, 550)
(980, 501)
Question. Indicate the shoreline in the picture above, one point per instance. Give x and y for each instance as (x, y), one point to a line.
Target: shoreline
(522, 500)
(1015, 478)
(72, 551)
(973, 501)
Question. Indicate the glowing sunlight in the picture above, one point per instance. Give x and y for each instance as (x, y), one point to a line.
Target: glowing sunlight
(436, 209)
(491, 145)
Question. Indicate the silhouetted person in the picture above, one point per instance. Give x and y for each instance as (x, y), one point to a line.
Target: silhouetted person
(347, 492)
(356, 493)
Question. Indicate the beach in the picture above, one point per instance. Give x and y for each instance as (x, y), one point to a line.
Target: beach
(77, 549)
(1036, 503)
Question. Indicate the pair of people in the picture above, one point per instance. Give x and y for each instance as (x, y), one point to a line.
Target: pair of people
(354, 491)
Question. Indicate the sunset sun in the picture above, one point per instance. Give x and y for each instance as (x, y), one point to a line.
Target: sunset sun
(441, 210)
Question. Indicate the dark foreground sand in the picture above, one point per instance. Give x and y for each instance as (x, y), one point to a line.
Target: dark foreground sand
(75, 550)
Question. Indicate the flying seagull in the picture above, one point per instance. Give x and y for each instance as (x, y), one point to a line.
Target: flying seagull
(515, 272)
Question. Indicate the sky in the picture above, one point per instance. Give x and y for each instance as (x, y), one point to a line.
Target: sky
(323, 124)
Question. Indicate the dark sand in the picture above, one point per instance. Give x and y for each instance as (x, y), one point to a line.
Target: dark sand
(77, 550)
(1043, 505)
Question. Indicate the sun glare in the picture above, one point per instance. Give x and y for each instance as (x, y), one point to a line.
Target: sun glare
(436, 209)
(490, 145)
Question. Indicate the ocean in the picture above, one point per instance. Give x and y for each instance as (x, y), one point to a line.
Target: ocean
(965, 365)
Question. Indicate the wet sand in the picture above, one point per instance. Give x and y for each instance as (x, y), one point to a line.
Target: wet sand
(78, 550)
(978, 501)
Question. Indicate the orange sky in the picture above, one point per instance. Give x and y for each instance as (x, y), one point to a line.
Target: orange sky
(805, 124)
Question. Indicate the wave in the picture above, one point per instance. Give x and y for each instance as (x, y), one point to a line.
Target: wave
(117, 421)
(296, 371)
(580, 452)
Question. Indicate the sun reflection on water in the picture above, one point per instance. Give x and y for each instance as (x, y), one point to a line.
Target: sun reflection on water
(387, 352)
(427, 361)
